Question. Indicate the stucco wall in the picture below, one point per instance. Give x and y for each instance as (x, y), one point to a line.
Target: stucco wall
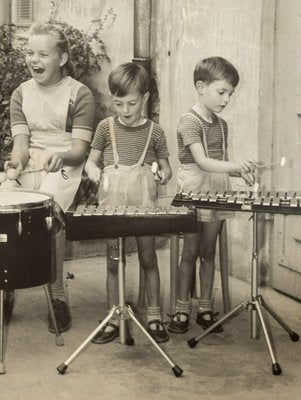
(184, 32)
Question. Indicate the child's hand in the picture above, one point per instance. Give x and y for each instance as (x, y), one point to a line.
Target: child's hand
(248, 177)
(53, 162)
(94, 173)
(13, 164)
(247, 166)
(163, 178)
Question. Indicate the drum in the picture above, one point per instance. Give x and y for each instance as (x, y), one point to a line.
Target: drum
(25, 238)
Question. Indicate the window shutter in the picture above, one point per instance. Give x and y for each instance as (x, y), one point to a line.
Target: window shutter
(22, 12)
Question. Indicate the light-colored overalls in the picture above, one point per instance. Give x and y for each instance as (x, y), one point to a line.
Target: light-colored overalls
(128, 185)
(191, 178)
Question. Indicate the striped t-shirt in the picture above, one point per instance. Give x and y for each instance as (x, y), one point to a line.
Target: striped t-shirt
(130, 142)
(190, 131)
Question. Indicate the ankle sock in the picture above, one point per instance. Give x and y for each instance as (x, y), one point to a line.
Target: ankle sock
(183, 306)
(153, 313)
(205, 305)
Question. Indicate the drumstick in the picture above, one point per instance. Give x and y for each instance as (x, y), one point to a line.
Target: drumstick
(281, 163)
(29, 171)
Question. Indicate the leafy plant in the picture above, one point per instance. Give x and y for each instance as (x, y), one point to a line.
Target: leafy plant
(13, 71)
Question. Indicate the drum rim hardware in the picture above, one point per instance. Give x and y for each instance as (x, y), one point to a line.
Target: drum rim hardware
(9, 208)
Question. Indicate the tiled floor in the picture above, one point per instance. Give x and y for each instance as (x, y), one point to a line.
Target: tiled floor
(224, 366)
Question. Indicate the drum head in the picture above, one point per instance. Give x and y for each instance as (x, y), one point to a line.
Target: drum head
(21, 199)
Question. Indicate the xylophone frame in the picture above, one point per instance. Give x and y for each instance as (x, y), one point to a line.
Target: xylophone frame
(255, 303)
(123, 312)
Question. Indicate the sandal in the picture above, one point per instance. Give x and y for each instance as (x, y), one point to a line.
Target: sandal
(178, 325)
(207, 322)
(104, 336)
(159, 334)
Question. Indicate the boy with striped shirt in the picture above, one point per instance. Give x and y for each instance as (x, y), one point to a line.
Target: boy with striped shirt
(128, 144)
(204, 166)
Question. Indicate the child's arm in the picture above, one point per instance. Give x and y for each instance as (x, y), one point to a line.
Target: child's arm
(75, 156)
(91, 168)
(164, 171)
(19, 154)
(212, 165)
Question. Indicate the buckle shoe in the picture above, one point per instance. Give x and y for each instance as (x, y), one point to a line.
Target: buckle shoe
(177, 325)
(159, 334)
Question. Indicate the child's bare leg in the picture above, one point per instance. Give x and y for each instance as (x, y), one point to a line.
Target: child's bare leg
(149, 264)
(180, 319)
(187, 265)
(56, 288)
(148, 261)
(207, 251)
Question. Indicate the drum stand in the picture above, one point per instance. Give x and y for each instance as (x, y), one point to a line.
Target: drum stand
(255, 303)
(123, 312)
(58, 337)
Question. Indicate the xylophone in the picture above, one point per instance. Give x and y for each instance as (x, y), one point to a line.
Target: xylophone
(283, 202)
(95, 222)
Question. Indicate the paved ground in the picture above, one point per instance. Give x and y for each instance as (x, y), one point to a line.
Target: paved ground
(223, 366)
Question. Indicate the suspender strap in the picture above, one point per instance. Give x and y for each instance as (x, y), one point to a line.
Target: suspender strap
(141, 160)
(204, 134)
(112, 133)
(114, 145)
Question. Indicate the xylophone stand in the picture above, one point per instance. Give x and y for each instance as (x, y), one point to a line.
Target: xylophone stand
(255, 303)
(123, 312)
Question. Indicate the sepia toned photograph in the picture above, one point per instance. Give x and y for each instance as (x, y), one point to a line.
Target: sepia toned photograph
(150, 199)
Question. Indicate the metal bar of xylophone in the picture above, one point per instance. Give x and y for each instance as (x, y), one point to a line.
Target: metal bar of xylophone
(282, 202)
(95, 222)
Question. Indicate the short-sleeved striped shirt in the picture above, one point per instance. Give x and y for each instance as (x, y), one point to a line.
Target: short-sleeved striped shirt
(130, 142)
(190, 131)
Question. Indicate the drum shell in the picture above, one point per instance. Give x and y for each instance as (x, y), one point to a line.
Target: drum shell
(25, 257)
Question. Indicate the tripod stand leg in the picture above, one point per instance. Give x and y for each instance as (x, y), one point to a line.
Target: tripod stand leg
(293, 335)
(175, 368)
(193, 341)
(276, 369)
(2, 367)
(62, 368)
(59, 340)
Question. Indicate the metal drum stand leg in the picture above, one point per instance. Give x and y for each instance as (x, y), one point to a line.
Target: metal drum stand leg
(255, 303)
(123, 312)
(2, 367)
(58, 336)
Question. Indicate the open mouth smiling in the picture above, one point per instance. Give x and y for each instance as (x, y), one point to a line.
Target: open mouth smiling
(38, 70)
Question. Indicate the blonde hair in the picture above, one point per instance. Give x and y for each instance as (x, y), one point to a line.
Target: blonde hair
(62, 42)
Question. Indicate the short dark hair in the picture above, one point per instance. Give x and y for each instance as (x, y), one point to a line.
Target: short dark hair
(212, 69)
(127, 76)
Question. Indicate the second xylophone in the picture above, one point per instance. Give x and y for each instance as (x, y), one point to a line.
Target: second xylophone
(282, 202)
(95, 222)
